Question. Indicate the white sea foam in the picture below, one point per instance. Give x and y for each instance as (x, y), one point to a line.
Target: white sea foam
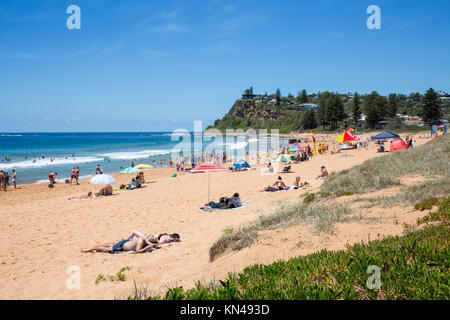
(11, 135)
(62, 180)
(130, 155)
(47, 162)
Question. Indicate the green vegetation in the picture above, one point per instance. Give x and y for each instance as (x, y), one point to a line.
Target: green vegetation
(414, 266)
(119, 276)
(100, 277)
(334, 111)
(428, 160)
(320, 217)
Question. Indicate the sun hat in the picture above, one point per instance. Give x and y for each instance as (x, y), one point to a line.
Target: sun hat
(151, 239)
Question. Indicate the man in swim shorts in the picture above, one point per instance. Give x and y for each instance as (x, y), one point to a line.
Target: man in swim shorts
(136, 241)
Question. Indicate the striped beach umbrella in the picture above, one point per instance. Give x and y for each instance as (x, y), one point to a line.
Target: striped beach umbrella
(208, 168)
(130, 170)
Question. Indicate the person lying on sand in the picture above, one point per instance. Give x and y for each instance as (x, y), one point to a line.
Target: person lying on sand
(84, 196)
(234, 201)
(136, 241)
(222, 204)
(323, 173)
(277, 186)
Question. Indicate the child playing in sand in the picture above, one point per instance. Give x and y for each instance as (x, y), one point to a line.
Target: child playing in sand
(136, 241)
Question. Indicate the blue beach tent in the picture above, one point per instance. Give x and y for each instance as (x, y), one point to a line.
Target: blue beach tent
(241, 164)
(385, 135)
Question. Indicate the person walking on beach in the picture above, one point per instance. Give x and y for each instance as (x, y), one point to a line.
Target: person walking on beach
(72, 175)
(98, 170)
(52, 178)
(14, 177)
(77, 175)
(5, 180)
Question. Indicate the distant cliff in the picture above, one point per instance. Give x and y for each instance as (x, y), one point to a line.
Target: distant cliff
(259, 114)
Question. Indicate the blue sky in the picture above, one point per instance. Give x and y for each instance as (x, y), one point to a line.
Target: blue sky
(147, 65)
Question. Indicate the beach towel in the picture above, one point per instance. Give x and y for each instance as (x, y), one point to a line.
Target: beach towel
(288, 189)
(148, 250)
(209, 209)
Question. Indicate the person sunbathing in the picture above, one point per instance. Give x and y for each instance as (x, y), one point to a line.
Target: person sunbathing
(84, 196)
(223, 203)
(323, 173)
(297, 183)
(277, 186)
(136, 241)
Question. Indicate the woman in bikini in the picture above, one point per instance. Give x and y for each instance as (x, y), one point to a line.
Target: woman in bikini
(277, 186)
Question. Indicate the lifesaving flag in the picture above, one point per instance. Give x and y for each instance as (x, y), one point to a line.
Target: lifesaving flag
(314, 142)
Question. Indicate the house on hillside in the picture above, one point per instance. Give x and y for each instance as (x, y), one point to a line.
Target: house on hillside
(308, 106)
(273, 102)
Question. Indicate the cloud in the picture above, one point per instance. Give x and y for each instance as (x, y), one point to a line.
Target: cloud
(159, 16)
(75, 118)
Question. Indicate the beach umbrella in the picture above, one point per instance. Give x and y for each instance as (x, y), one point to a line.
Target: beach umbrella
(346, 136)
(102, 179)
(299, 147)
(294, 149)
(208, 168)
(282, 158)
(130, 170)
(143, 166)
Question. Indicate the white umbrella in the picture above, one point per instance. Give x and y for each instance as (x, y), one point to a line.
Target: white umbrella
(102, 179)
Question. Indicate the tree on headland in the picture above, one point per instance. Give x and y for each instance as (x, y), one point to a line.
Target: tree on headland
(431, 107)
(334, 111)
(392, 109)
(249, 91)
(309, 120)
(321, 109)
(356, 108)
(371, 110)
(278, 94)
(303, 96)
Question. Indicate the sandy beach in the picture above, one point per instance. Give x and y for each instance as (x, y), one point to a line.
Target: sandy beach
(42, 232)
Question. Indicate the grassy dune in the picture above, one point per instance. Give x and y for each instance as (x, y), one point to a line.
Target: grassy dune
(428, 160)
(414, 266)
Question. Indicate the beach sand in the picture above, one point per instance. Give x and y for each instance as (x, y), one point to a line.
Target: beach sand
(42, 232)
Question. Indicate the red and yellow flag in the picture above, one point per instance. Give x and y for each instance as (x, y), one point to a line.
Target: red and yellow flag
(314, 142)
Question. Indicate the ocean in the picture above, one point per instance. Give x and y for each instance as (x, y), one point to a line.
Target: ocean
(35, 155)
